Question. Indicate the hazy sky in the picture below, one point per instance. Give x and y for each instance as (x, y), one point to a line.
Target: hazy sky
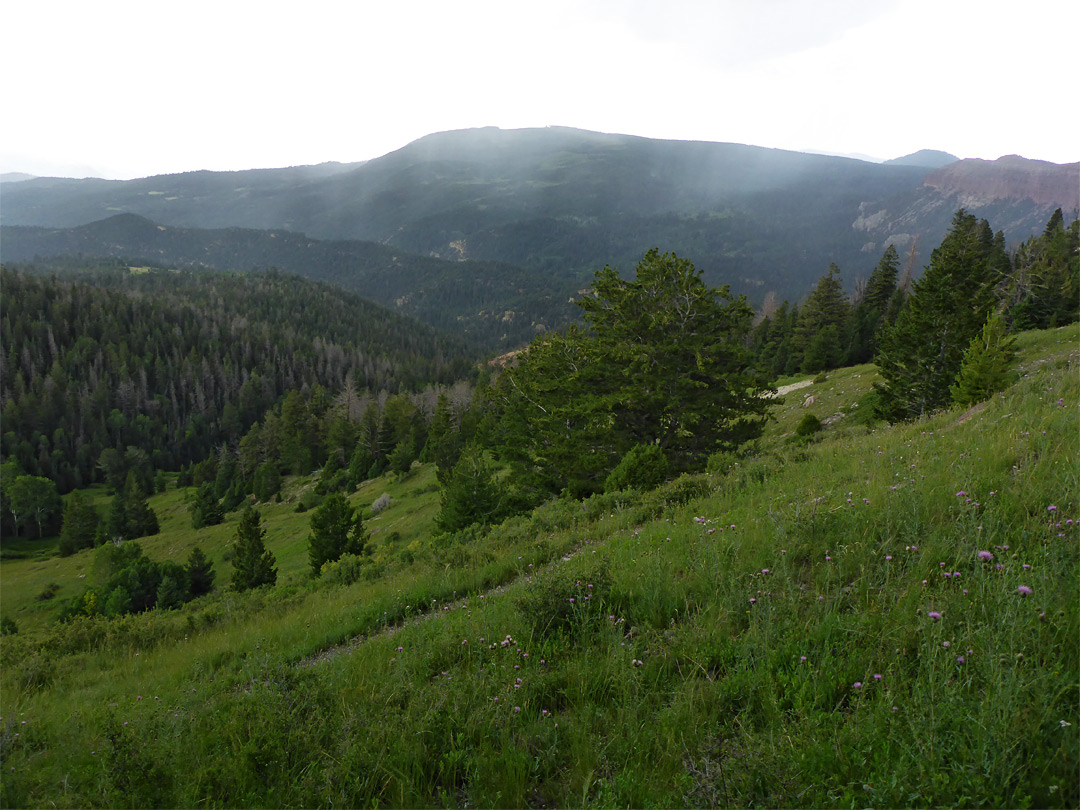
(129, 89)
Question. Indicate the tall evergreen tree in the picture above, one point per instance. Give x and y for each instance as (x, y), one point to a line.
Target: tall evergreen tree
(80, 526)
(816, 344)
(336, 529)
(205, 509)
(921, 354)
(869, 314)
(253, 563)
(200, 572)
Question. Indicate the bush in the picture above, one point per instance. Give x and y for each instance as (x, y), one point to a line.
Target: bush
(384, 501)
(808, 426)
(346, 570)
(644, 467)
(8, 626)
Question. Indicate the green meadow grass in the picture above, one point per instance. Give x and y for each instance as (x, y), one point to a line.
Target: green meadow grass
(812, 626)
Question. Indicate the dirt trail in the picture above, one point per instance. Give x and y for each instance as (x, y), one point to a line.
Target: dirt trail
(462, 603)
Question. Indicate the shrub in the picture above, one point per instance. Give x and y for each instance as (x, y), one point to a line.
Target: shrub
(808, 426)
(384, 501)
(346, 570)
(644, 467)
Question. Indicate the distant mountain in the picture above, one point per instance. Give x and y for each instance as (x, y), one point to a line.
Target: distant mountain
(561, 203)
(1012, 193)
(927, 158)
(15, 177)
(493, 304)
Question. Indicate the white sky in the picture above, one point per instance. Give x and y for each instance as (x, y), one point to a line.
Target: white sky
(129, 89)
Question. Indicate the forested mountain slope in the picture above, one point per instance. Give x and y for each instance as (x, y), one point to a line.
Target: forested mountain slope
(495, 305)
(176, 363)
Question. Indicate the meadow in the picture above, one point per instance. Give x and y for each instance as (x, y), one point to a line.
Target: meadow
(871, 616)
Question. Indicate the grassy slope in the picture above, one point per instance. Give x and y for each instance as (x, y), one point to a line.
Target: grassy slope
(679, 680)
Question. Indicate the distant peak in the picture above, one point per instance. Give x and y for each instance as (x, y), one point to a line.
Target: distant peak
(929, 158)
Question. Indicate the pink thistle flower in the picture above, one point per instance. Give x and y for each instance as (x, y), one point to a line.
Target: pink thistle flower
(888, 558)
(985, 555)
(1051, 508)
(857, 685)
(1024, 590)
(933, 614)
(877, 677)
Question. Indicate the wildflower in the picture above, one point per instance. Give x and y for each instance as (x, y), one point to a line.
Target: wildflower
(753, 600)
(877, 677)
(857, 685)
(1065, 723)
(571, 600)
(1024, 590)
(945, 644)
(888, 558)
(1051, 508)
(517, 709)
(765, 570)
(985, 555)
(960, 659)
(933, 614)
(961, 494)
(802, 657)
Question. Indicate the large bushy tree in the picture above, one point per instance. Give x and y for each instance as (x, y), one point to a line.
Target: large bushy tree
(662, 361)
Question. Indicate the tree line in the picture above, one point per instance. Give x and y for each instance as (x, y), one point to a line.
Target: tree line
(1034, 286)
(175, 364)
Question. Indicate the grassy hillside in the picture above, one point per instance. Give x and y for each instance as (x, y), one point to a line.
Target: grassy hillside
(810, 625)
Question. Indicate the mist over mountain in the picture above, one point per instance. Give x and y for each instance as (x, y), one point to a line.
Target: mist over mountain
(560, 203)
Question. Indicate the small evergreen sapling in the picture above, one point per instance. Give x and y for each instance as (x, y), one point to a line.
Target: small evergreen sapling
(985, 368)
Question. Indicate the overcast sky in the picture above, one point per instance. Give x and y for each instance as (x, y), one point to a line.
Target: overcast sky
(129, 89)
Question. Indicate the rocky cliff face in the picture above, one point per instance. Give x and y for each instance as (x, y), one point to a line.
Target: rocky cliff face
(977, 183)
(1012, 193)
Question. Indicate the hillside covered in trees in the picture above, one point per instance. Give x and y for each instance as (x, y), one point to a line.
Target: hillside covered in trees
(175, 364)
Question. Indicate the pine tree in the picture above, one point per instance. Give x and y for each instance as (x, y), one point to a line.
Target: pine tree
(920, 355)
(205, 509)
(200, 572)
(80, 525)
(253, 563)
(336, 529)
(816, 346)
(471, 494)
(985, 368)
(868, 316)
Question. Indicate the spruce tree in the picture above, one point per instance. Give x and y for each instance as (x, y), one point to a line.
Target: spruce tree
(336, 529)
(471, 494)
(253, 563)
(200, 572)
(80, 525)
(985, 368)
(816, 346)
(205, 509)
(920, 355)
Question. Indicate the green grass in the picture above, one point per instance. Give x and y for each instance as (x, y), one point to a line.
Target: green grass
(679, 681)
